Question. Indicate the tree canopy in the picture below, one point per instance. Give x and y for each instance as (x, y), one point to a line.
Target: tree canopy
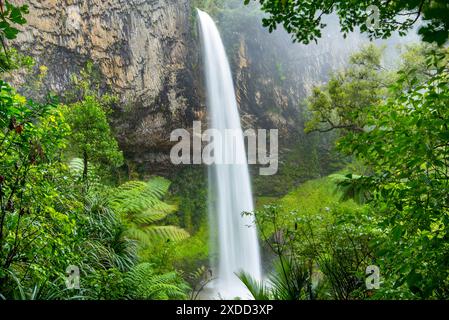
(378, 18)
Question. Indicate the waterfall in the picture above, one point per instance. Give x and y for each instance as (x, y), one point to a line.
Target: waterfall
(229, 184)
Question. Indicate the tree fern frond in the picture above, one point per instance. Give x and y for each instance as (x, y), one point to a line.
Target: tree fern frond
(164, 207)
(76, 166)
(171, 233)
(149, 217)
(144, 283)
(136, 196)
(158, 185)
(140, 204)
(138, 234)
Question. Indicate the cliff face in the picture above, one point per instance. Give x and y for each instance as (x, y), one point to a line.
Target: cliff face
(147, 53)
(144, 52)
(272, 75)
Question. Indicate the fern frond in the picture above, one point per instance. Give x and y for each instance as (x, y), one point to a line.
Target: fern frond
(149, 217)
(134, 197)
(141, 205)
(158, 185)
(138, 234)
(144, 283)
(76, 166)
(171, 233)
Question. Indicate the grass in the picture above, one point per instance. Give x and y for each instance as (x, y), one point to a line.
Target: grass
(311, 197)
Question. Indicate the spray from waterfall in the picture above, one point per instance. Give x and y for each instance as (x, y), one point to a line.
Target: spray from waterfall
(229, 184)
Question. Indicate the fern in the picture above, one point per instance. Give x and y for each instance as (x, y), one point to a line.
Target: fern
(140, 204)
(76, 166)
(200, 278)
(167, 232)
(145, 284)
(150, 216)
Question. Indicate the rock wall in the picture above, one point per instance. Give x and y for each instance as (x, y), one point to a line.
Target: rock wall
(145, 53)
(272, 75)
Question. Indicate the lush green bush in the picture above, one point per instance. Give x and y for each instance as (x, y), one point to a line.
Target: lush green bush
(408, 153)
(402, 139)
(319, 249)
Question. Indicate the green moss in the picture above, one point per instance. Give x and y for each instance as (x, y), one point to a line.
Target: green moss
(311, 197)
(317, 199)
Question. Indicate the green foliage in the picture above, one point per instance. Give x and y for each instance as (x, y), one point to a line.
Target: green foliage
(144, 284)
(200, 278)
(11, 16)
(304, 19)
(299, 164)
(31, 137)
(408, 153)
(141, 206)
(402, 139)
(91, 136)
(346, 99)
(99, 221)
(258, 290)
(194, 252)
(318, 241)
(321, 245)
(291, 278)
(344, 250)
(352, 187)
(281, 72)
(40, 291)
(190, 188)
(46, 221)
(11, 59)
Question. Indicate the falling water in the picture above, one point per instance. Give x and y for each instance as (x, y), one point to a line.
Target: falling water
(229, 184)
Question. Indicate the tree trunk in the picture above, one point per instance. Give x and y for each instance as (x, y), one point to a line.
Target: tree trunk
(85, 166)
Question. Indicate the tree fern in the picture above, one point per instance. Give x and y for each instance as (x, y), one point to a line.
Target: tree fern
(167, 232)
(76, 166)
(150, 216)
(143, 283)
(140, 204)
